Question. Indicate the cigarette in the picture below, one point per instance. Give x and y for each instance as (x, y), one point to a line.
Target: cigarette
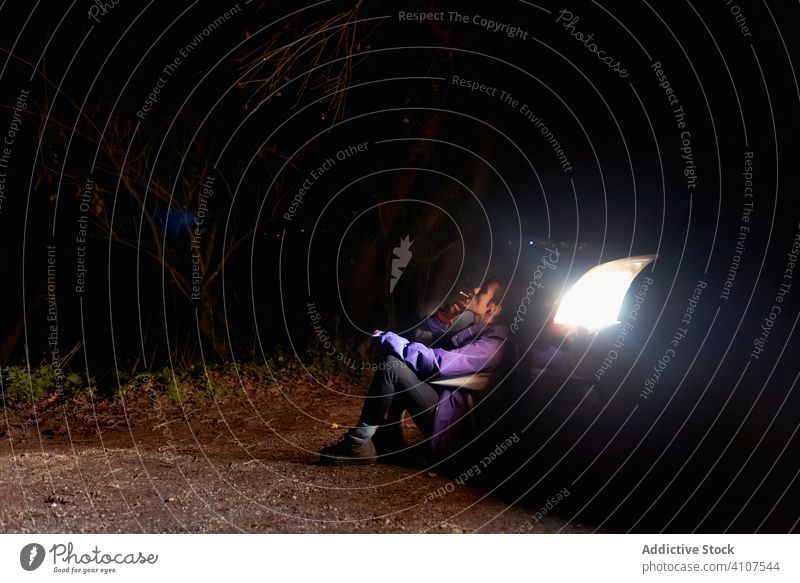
(465, 295)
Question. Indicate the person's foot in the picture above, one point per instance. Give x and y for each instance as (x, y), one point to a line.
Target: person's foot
(349, 450)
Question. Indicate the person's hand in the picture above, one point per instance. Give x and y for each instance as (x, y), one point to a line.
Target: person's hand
(448, 312)
(462, 305)
(445, 315)
(374, 340)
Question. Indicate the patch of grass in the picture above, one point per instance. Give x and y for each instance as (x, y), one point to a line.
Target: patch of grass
(20, 387)
(196, 383)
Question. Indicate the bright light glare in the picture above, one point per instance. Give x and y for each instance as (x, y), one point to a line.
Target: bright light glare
(596, 298)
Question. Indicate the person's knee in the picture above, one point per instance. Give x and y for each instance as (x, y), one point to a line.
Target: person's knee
(396, 365)
(392, 361)
(388, 367)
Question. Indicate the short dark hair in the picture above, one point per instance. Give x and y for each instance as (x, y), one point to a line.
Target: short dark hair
(502, 285)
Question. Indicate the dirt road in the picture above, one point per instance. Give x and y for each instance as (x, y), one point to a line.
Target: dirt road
(245, 463)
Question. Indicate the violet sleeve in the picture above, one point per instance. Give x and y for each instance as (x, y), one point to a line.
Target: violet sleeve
(390, 343)
(483, 354)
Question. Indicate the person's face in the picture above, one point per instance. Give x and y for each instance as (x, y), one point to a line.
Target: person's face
(481, 302)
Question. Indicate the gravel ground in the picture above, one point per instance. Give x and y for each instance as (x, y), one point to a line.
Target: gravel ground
(232, 465)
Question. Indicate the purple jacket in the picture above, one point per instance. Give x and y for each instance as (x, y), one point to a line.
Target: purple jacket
(476, 348)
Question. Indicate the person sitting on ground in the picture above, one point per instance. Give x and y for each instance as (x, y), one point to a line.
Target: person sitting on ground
(401, 382)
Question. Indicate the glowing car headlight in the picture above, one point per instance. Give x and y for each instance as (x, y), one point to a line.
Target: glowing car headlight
(594, 301)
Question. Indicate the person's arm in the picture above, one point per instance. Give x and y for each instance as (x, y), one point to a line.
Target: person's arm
(484, 354)
(480, 355)
(439, 324)
(389, 343)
